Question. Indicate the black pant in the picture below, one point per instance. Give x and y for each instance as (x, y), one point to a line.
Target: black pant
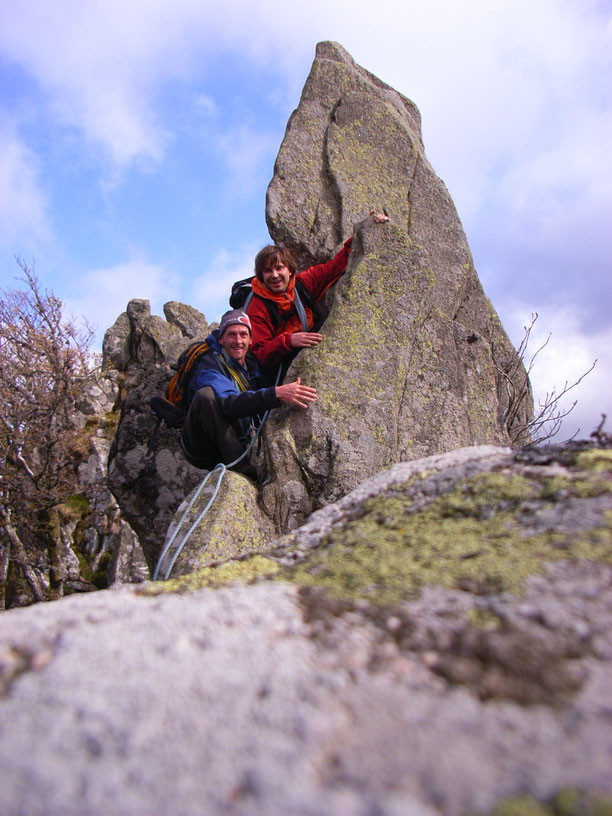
(208, 437)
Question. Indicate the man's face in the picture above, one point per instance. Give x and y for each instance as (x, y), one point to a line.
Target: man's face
(276, 278)
(236, 340)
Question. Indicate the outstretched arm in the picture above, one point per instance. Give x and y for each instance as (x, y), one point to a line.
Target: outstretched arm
(296, 393)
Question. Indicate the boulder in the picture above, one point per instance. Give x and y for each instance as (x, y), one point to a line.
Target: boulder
(116, 344)
(220, 519)
(414, 359)
(106, 539)
(436, 642)
(189, 320)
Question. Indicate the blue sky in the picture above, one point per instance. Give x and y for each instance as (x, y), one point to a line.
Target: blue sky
(137, 139)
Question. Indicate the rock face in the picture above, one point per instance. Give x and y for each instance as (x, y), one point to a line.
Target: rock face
(414, 359)
(147, 473)
(438, 640)
(233, 524)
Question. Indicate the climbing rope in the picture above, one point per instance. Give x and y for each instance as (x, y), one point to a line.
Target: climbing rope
(220, 469)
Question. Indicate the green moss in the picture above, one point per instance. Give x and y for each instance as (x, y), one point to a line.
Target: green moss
(483, 619)
(97, 576)
(111, 423)
(599, 460)
(75, 506)
(522, 806)
(603, 807)
(567, 802)
(470, 538)
(237, 571)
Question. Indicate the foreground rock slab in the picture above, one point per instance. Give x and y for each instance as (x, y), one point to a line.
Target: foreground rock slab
(309, 700)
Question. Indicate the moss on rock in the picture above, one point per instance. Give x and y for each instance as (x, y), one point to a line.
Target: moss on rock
(481, 536)
(567, 802)
(234, 571)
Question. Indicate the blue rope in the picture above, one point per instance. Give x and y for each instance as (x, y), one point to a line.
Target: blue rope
(221, 468)
(166, 548)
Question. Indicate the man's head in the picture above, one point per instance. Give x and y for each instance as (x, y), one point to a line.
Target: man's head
(235, 334)
(275, 266)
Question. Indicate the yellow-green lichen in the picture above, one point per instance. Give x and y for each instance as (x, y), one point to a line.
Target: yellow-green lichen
(580, 484)
(599, 460)
(567, 802)
(483, 619)
(233, 526)
(523, 806)
(472, 538)
(230, 572)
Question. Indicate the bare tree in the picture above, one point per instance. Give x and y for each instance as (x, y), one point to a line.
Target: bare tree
(44, 364)
(549, 415)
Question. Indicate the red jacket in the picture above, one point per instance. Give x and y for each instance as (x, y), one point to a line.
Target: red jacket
(270, 341)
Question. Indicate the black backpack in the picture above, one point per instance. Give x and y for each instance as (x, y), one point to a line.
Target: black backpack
(173, 407)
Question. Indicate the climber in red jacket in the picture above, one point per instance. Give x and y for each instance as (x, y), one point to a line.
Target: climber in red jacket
(282, 323)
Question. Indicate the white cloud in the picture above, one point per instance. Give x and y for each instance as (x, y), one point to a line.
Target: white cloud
(207, 106)
(108, 291)
(24, 218)
(98, 63)
(210, 291)
(487, 77)
(243, 150)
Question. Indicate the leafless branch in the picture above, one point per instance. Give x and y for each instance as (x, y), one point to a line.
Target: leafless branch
(547, 420)
(44, 365)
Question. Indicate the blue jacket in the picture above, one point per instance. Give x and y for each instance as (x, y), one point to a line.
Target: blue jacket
(238, 406)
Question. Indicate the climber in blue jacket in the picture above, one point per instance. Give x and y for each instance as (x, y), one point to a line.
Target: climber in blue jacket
(227, 397)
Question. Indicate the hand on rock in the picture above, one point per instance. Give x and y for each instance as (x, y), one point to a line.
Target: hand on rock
(305, 339)
(379, 217)
(296, 393)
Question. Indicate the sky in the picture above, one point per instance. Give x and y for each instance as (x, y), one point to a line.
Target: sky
(138, 137)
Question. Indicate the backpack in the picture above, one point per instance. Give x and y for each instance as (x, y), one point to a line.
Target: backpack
(173, 407)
